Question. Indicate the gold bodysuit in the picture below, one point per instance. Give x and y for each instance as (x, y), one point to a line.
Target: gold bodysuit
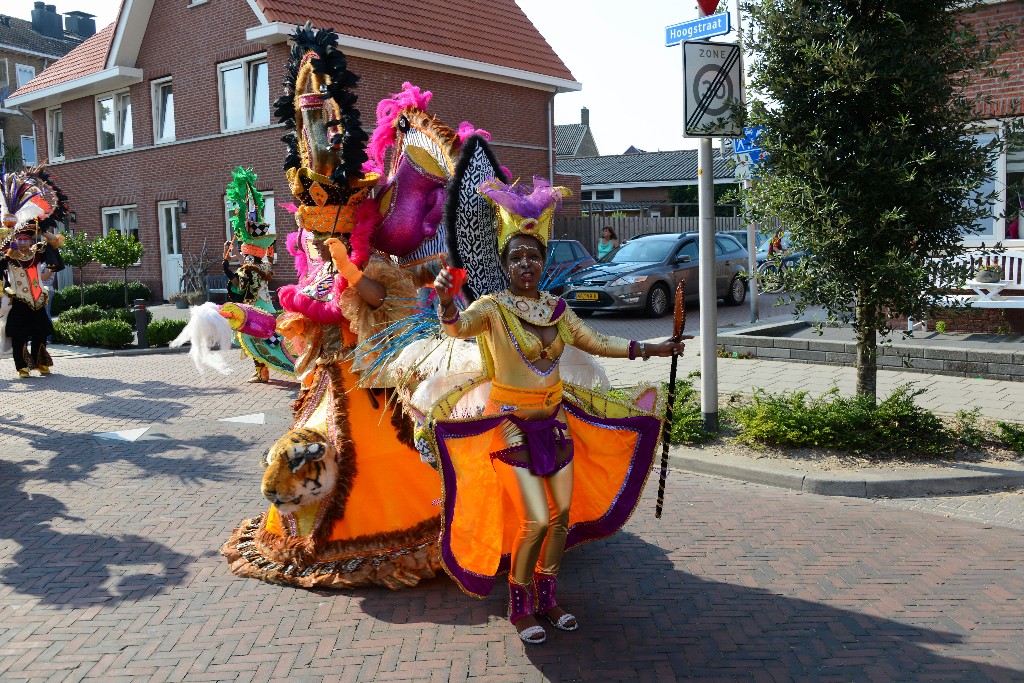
(510, 351)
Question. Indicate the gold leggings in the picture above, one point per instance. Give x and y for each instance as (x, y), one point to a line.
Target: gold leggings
(542, 505)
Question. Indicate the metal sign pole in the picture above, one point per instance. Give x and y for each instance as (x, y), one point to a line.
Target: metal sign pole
(708, 291)
(751, 254)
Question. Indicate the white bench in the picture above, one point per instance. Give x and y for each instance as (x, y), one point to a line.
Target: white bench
(1012, 264)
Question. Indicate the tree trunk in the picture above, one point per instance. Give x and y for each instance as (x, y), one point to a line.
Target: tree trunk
(127, 305)
(867, 350)
(81, 283)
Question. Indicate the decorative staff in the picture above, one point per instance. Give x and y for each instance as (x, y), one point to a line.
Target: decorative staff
(678, 323)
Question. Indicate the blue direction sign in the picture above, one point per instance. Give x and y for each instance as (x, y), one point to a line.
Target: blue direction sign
(705, 27)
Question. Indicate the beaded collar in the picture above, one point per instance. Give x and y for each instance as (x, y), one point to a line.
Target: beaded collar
(544, 311)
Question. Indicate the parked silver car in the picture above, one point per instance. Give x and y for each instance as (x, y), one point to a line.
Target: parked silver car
(642, 274)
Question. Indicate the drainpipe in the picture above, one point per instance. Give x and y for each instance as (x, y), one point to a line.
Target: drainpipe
(551, 133)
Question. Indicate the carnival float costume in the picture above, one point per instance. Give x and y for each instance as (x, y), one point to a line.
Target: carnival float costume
(512, 458)
(352, 502)
(30, 205)
(250, 282)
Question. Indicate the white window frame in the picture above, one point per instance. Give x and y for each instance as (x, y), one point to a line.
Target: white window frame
(113, 96)
(269, 216)
(246, 63)
(51, 130)
(121, 211)
(157, 109)
(22, 68)
(35, 150)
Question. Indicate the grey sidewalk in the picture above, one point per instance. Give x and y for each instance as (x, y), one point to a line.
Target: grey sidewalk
(997, 400)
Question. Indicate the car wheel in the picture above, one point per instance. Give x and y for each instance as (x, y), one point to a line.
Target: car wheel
(657, 301)
(737, 292)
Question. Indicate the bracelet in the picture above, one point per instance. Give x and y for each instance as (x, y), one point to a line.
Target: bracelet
(643, 351)
(449, 321)
(632, 349)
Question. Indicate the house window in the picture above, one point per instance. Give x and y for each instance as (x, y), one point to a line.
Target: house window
(114, 121)
(244, 93)
(28, 150)
(268, 216)
(24, 73)
(607, 195)
(586, 195)
(122, 219)
(55, 132)
(163, 111)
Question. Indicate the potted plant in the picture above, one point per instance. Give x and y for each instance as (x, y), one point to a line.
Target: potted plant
(988, 273)
(180, 300)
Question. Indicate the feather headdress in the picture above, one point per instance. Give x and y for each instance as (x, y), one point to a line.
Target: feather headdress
(247, 203)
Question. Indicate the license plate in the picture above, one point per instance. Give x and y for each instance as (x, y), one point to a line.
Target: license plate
(587, 296)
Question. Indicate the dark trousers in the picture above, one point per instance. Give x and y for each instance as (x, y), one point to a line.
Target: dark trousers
(37, 346)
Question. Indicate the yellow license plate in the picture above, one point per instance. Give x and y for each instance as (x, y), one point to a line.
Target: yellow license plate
(587, 296)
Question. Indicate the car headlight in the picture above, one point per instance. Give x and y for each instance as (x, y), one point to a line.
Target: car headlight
(628, 280)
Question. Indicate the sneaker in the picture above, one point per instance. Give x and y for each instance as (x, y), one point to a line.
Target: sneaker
(23, 373)
(43, 369)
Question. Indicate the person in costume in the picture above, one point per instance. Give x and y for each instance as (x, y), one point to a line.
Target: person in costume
(351, 501)
(25, 199)
(249, 283)
(511, 471)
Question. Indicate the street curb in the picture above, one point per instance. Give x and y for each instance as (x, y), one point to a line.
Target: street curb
(903, 483)
(117, 352)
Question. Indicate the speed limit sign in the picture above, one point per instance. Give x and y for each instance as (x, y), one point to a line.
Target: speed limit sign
(712, 74)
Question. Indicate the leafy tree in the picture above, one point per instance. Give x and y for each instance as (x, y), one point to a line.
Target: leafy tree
(873, 168)
(118, 250)
(78, 252)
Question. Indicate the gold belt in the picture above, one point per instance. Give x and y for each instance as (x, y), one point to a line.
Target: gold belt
(504, 394)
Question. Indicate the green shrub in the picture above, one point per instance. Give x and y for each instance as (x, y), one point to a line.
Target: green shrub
(1012, 435)
(126, 316)
(163, 331)
(856, 424)
(108, 334)
(104, 294)
(687, 417)
(82, 314)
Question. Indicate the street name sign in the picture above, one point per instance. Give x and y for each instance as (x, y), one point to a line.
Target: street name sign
(705, 27)
(713, 83)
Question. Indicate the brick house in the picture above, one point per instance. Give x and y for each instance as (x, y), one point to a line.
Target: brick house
(575, 139)
(1006, 98)
(26, 49)
(638, 184)
(158, 108)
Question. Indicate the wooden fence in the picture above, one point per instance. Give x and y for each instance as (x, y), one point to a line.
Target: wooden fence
(587, 230)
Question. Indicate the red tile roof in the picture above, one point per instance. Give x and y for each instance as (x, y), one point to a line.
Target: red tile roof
(89, 57)
(489, 31)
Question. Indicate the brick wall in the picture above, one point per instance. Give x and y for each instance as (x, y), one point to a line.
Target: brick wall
(1002, 91)
(974, 320)
(186, 44)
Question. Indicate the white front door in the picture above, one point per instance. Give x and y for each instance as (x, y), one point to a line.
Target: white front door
(170, 247)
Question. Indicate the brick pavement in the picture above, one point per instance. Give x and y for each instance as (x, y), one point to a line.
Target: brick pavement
(109, 568)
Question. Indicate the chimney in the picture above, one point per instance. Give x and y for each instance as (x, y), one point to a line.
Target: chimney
(46, 21)
(584, 115)
(81, 24)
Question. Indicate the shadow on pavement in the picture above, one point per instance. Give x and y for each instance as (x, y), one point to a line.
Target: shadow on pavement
(642, 617)
(74, 570)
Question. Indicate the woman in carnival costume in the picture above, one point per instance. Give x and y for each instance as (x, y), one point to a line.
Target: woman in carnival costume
(352, 503)
(249, 283)
(511, 469)
(27, 201)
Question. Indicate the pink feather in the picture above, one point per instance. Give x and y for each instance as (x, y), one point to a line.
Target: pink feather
(467, 130)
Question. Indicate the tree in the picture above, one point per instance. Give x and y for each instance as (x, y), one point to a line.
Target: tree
(117, 250)
(872, 168)
(78, 252)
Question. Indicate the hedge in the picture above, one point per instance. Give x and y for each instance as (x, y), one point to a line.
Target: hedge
(91, 313)
(107, 334)
(104, 294)
(163, 331)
